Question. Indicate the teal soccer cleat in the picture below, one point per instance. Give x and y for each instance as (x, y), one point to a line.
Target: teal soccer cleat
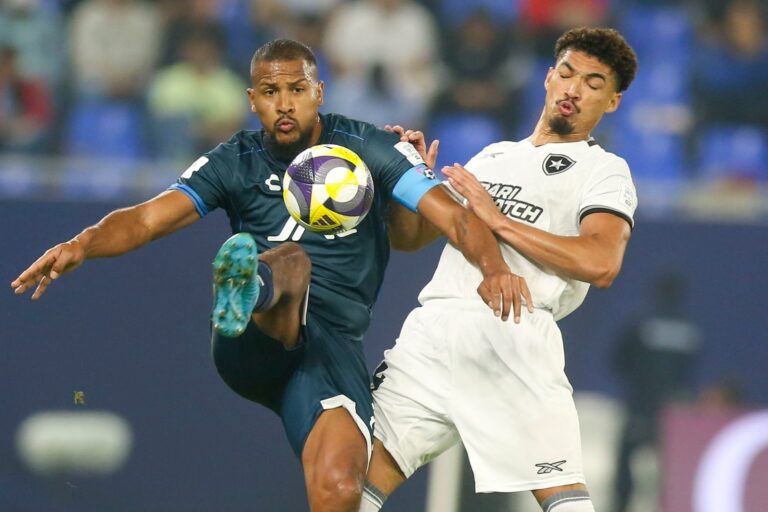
(236, 285)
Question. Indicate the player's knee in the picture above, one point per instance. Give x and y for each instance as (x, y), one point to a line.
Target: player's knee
(293, 260)
(339, 485)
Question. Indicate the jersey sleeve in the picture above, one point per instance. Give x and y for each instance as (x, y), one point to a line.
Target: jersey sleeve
(204, 183)
(610, 190)
(388, 159)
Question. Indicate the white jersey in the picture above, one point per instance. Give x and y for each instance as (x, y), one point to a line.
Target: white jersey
(551, 187)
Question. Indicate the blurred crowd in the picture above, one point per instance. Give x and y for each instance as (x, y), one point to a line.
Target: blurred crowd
(165, 79)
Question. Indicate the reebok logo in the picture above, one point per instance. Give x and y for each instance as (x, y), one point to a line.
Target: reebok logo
(546, 468)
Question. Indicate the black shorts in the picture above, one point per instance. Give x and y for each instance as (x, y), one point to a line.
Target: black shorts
(325, 371)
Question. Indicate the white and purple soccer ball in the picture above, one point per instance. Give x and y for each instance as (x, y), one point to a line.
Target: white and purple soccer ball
(328, 188)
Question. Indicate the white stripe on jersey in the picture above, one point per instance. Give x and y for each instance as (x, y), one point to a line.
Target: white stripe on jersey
(548, 187)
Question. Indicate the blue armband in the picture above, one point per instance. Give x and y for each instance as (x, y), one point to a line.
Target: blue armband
(412, 186)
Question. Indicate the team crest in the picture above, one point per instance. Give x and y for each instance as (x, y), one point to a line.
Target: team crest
(555, 164)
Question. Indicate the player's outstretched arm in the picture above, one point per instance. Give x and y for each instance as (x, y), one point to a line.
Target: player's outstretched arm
(502, 290)
(118, 233)
(594, 256)
(409, 231)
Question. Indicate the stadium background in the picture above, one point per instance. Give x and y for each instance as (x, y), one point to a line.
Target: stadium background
(105, 102)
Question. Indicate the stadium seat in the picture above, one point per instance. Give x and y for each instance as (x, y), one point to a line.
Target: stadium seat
(663, 39)
(659, 33)
(662, 81)
(172, 137)
(651, 155)
(736, 152)
(104, 128)
(533, 96)
(242, 37)
(462, 135)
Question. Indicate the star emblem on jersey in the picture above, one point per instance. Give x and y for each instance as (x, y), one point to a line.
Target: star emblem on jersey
(546, 468)
(555, 164)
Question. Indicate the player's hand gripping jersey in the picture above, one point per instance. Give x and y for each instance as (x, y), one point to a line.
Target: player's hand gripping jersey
(551, 187)
(243, 178)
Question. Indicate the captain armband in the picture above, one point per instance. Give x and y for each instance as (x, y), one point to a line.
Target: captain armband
(412, 186)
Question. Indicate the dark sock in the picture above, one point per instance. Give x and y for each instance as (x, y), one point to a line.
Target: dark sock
(267, 288)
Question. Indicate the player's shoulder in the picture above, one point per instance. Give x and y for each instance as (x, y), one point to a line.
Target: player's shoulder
(239, 142)
(373, 144)
(240, 146)
(604, 159)
(345, 128)
(496, 149)
(502, 146)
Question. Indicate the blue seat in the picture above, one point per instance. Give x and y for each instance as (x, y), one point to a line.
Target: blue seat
(242, 36)
(105, 128)
(663, 38)
(659, 32)
(651, 154)
(733, 152)
(533, 96)
(462, 135)
(662, 81)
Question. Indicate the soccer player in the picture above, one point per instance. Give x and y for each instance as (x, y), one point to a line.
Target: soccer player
(562, 208)
(276, 342)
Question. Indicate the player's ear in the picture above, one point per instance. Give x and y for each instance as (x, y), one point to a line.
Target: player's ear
(250, 93)
(548, 77)
(320, 92)
(614, 102)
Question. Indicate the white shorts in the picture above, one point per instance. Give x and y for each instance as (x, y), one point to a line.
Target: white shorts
(458, 372)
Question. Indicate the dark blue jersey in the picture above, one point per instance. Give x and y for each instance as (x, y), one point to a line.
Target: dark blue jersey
(243, 177)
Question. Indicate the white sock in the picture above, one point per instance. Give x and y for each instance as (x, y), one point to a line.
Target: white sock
(373, 498)
(568, 501)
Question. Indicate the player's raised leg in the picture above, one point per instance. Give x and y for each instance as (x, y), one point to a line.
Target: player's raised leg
(286, 271)
(269, 288)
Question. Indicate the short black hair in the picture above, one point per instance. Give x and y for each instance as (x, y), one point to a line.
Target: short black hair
(283, 50)
(605, 44)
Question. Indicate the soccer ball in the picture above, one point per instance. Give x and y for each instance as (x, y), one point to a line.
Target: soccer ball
(328, 188)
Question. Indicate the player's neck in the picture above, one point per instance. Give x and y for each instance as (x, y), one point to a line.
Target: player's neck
(317, 131)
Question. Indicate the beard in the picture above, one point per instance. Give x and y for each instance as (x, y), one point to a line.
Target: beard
(285, 152)
(560, 125)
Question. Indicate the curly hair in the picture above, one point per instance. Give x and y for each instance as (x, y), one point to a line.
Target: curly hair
(605, 44)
